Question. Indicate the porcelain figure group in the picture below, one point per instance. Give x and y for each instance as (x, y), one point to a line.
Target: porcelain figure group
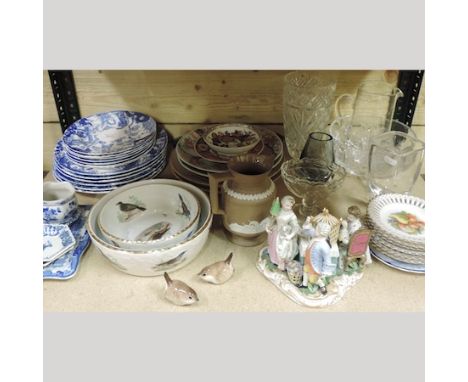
(320, 249)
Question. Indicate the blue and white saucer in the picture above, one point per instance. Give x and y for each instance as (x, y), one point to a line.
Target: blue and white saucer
(57, 239)
(66, 266)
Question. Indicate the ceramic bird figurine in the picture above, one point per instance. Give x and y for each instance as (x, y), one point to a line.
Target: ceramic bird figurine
(178, 292)
(129, 207)
(219, 272)
(185, 211)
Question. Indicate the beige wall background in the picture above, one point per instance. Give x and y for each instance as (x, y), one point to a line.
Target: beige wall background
(183, 100)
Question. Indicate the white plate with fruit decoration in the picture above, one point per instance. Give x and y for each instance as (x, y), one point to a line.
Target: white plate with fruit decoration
(399, 217)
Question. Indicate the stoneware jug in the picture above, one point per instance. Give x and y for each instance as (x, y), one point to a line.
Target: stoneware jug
(247, 193)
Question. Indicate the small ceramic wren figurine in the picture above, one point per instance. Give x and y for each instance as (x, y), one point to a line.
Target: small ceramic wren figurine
(282, 234)
(178, 292)
(219, 272)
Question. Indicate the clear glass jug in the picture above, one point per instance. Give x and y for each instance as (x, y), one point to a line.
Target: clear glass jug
(395, 161)
(352, 140)
(372, 99)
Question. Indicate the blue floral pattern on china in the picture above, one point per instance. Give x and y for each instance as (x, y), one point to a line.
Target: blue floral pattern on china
(67, 265)
(57, 238)
(111, 179)
(103, 181)
(50, 213)
(64, 163)
(90, 187)
(55, 214)
(109, 132)
(108, 160)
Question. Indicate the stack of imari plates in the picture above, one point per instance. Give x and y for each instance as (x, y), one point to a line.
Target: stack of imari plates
(104, 151)
(193, 159)
(398, 224)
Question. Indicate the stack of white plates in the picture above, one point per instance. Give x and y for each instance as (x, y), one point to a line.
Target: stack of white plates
(104, 151)
(194, 158)
(398, 224)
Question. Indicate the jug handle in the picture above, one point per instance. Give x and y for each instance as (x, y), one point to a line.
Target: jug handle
(338, 112)
(215, 179)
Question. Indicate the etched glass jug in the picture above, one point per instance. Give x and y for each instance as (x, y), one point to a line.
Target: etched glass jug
(372, 99)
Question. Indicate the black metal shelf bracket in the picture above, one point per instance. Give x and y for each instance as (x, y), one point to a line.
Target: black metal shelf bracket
(409, 82)
(65, 97)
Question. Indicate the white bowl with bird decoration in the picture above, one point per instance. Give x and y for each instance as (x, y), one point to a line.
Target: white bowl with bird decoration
(156, 261)
(149, 216)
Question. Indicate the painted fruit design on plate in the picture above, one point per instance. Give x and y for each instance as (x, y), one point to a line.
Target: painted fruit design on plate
(407, 222)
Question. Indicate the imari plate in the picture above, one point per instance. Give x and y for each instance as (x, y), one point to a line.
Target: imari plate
(57, 239)
(66, 266)
(208, 153)
(186, 149)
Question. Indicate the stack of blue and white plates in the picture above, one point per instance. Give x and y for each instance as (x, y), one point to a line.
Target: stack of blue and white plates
(104, 151)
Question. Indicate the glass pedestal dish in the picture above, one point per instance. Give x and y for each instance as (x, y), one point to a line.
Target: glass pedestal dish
(312, 181)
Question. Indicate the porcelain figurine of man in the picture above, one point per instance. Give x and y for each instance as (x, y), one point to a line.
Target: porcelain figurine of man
(351, 225)
(305, 237)
(318, 261)
(282, 234)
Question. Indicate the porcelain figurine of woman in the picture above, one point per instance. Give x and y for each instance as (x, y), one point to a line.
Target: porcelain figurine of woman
(350, 226)
(282, 234)
(318, 260)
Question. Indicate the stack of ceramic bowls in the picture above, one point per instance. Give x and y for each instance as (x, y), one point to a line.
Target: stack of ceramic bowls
(104, 151)
(208, 150)
(398, 222)
(150, 227)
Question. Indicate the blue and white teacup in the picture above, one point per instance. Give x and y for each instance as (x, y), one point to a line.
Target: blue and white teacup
(60, 205)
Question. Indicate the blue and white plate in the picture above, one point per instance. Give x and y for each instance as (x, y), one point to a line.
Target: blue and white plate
(108, 133)
(110, 183)
(63, 161)
(400, 265)
(112, 161)
(109, 186)
(115, 176)
(145, 160)
(66, 266)
(111, 179)
(57, 239)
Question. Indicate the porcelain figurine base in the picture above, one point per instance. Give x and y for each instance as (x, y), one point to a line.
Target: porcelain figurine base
(246, 241)
(301, 295)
